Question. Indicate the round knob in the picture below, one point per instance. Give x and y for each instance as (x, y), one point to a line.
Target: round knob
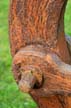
(30, 79)
(28, 67)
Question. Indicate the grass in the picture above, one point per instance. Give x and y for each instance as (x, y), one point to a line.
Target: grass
(10, 96)
(68, 19)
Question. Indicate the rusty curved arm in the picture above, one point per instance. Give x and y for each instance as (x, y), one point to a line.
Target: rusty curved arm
(56, 73)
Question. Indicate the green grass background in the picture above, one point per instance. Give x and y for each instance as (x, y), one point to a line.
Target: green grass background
(10, 96)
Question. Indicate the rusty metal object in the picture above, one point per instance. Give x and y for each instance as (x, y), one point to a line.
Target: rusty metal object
(41, 57)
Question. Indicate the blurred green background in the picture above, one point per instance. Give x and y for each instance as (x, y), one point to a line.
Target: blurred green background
(10, 96)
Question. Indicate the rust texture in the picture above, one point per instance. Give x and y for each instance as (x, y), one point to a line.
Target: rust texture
(41, 52)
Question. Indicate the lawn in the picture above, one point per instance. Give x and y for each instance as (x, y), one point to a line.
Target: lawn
(10, 96)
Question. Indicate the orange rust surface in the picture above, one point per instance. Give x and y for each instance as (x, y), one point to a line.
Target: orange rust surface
(40, 22)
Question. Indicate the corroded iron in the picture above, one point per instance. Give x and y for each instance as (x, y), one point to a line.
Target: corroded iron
(41, 52)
